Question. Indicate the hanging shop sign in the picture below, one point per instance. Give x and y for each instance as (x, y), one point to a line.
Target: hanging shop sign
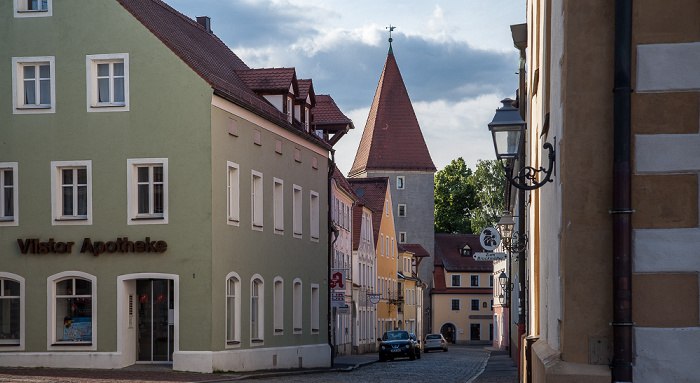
(120, 245)
(338, 277)
(489, 256)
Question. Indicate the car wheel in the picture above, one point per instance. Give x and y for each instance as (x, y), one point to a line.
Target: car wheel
(418, 355)
(412, 356)
(382, 358)
(444, 349)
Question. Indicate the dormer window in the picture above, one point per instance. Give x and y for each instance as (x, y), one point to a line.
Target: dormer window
(306, 119)
(289, 109)
(466, 251)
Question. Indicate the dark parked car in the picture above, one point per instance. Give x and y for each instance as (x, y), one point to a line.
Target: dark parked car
(394, 344)
(416, 342)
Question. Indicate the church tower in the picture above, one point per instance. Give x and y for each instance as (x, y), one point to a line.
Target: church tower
(392, 146)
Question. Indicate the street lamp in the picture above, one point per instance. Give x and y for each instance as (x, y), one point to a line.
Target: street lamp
(508, 130)
(511, 239)
(503, 282)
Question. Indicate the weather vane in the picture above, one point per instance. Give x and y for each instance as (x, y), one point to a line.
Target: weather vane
(390, 28)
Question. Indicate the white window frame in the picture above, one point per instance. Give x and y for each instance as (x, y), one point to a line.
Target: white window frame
(297, 303)
(51, 282)
(400, 182)
(402, 237)
(12, 345)
(233, 340)
(91, 61)
(18, 64)
(57, 193)
(278, 204)
(7, 220)
(22, 9)
(233, 193)
(400, 207)
(315, 309)
(314, 216)
(257, 335)
(256, 200)
(278, 306)
(297, 211)
(133, 217)
(452, 304)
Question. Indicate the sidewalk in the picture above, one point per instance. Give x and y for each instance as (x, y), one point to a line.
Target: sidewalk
(499, 369)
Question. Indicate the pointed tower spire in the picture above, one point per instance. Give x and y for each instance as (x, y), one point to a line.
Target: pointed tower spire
(392, 139)
(391, 29)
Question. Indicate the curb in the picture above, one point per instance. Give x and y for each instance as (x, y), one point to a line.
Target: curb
(275, 374)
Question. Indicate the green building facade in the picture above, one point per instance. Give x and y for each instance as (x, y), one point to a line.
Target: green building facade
(154, 209)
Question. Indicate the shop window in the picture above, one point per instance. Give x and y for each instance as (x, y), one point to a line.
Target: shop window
(233, 194)
(73, 310)
(9, 215)
(278, 203)
(233, 310)
(257, 304)
(147, 180)
(297, 303)
(256, 191)
(33, 8)
(71, 192)
(11, 310)
(34, 84)
(315, 309)
(279, 306)
(107, 82)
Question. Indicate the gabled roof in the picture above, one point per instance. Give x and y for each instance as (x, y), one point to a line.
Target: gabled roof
(209, 57)
(270, 80)
(447, 254)
(329, 118)
(343, 183)
(373, 195)
(392, 139)
(414, 248)
(306, 88)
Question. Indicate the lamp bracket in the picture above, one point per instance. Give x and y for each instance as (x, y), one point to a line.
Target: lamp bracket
(527, 176)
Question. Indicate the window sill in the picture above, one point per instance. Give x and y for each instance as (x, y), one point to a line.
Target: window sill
(121, 105)
(72, 344)
(67, 218)
(279, 331)
(146, 218)
(33, 11)
(40, 107)
(7, 219)
(8, 344)
(279, 231)
(257, 341)
(297, 330)
(233, 343)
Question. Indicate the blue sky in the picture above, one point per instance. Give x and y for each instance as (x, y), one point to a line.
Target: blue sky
(456, 57)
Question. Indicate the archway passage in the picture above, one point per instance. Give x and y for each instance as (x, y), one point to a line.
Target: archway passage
(449, 332)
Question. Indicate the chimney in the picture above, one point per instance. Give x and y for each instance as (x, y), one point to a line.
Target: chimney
(205, 21)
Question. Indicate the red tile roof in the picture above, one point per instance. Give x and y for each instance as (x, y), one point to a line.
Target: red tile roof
(344, 184)
(447, 253)
(416, 249)
(373, 194)
(327, 115)
(270, 80)
(392, 139)
(357, 225)
(306, 88)
(209, 57)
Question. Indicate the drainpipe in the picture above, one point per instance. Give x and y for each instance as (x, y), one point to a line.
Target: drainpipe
(331, 241)
(622, 212)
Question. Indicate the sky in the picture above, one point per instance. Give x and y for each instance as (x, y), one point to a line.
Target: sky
(456, 58)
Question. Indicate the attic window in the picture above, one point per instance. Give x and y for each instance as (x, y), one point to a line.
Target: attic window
(314, 162)
(256, 138)
(233, 127)
(297, 155)
(466, 251)
(278, 146)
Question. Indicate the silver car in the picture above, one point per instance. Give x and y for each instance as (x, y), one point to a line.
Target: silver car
(434, 342)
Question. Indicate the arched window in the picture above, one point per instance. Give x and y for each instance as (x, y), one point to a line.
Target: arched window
(279, 306)
(257, 304)
(11, 309)
(73, 311)
(233, 310)
(297, 317)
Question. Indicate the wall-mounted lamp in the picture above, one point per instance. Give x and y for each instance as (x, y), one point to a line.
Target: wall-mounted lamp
(508, 130)
(503, 282)
(511, 239)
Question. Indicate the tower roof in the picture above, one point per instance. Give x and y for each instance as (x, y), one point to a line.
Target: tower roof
(392, 139)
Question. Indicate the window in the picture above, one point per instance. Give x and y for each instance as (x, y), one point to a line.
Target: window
(147, 180)
(296, 210)
(381, 243)
(402, 237)
(455, 305)
(34, 84)
(256, 310)
(279, 306)
(386, 204)
(402, 209)
(233, 194)
(107, 82)
(11, 310)
(289, 109)
(400, 182)
(474, 280)
(233, 310)
(256, 198)
(315, 309)
(456, 280)
(72, 316)
(8, 194)
(490, 280)
(475, 305)
(315, 216)
(33, 8)
(278, 202)
(296, 314)
(71, 192)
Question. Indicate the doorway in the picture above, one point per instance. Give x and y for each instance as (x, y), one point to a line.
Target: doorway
(155, 311)
(448, 331)
(475, 331)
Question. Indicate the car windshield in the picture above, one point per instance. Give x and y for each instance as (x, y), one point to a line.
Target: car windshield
(433, 337)
(396, 335)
